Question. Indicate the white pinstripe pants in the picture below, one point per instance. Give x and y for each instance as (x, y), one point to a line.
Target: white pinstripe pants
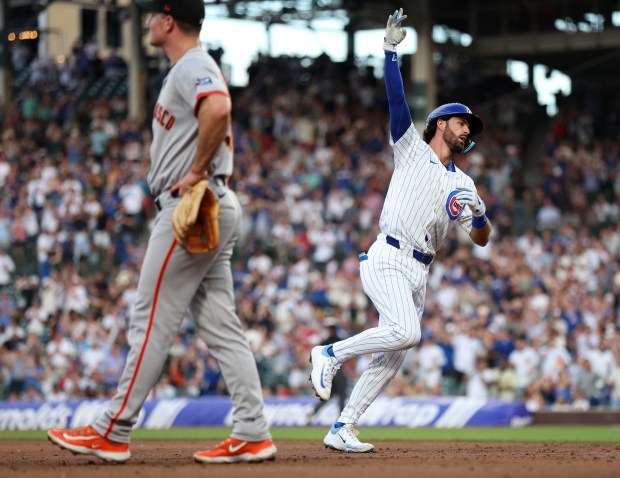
(396, 284)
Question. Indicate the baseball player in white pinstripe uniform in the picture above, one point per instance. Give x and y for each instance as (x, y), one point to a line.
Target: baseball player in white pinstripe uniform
(426, 197)
(191, 139)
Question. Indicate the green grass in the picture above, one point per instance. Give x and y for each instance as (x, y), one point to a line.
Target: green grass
(560, 434)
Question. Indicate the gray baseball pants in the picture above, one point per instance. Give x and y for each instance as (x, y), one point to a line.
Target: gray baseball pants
(171, 280)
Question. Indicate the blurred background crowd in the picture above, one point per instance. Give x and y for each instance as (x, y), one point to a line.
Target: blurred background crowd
(534, 316)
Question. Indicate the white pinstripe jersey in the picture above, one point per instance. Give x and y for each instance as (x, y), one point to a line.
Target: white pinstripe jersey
(175, 127)
(419, 207)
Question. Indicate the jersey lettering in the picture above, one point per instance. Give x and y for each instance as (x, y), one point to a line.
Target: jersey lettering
(163, 117)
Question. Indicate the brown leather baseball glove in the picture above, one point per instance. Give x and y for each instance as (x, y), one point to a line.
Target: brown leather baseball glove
(195, 219)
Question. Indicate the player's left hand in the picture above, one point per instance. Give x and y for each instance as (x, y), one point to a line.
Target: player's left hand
(394, 32)
(475, 202)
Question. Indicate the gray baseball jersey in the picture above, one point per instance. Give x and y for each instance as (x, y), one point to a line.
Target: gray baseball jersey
(172, 280)
(195, 76)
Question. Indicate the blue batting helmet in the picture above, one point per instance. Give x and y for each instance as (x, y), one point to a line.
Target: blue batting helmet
(458, 109)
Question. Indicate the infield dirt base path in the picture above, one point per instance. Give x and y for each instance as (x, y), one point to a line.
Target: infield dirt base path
(296, 459)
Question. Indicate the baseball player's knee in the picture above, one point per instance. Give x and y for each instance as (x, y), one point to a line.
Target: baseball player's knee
(406, 338)
(412, 340)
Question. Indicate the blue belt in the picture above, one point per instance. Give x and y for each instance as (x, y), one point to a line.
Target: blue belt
(425, 259)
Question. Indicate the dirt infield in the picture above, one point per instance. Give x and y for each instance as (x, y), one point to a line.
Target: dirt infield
(161, 459)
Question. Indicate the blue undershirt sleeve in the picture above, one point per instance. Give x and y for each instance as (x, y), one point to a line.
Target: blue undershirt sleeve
(400, 116)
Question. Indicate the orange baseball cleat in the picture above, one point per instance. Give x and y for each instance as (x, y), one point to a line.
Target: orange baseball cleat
(87, 441)
(232, 450)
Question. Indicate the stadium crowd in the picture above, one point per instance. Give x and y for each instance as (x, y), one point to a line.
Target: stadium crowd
(534, 316)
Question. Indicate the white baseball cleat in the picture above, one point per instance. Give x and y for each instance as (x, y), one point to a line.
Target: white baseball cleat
(324, 367)
(343, 437)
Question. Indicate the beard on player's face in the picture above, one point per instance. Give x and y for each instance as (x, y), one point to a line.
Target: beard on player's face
(455, 144)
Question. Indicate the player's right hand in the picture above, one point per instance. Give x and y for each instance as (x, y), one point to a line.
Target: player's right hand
(186, 182)
(470, 198)
(394, 32)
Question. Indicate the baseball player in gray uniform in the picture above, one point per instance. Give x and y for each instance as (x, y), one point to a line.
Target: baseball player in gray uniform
(191, 139)
(426, 197)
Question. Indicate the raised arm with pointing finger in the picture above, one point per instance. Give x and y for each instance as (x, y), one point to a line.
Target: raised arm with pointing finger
(400, 116)
(427, 196)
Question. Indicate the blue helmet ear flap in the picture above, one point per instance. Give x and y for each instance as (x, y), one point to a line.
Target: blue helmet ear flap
(469, 146)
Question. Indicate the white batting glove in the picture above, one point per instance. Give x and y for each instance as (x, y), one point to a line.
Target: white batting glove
(394, 32)
(475, 203)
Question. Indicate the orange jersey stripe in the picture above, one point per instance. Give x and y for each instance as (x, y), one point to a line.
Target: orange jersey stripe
(202, 96)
